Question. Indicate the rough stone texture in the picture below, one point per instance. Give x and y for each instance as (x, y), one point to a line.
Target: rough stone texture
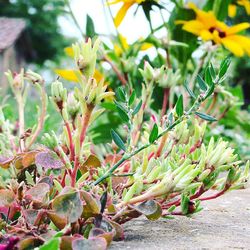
(223, 224)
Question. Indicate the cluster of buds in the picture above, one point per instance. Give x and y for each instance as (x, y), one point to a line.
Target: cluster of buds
(219, 154)
(150, 74)
(93, 92)
(33, 77)
(73, 105)
(16, 81)
(169, 78)
(85, 56)
(186, 168)
(58, 95)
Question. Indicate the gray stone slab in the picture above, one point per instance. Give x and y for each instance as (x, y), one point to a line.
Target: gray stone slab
(224, 223)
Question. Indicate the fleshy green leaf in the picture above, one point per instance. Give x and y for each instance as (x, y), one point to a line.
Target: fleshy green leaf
(68, 205)
(154, 134)
(117, 140)
(151, 209)
(51, 244)
(205, 117)
(184, 204)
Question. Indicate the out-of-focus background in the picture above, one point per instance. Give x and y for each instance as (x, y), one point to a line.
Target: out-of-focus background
(34, 34)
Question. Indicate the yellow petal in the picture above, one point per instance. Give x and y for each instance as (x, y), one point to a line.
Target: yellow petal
(206, 35)
(68, 74)
(98, 75)
(232, 8)
(121, 13)
(69, 51)
(233, 46)
(194, 27)
(237, 28)
(117, 49)
(242, 41)
(146, 46)
(114, 2)
(245, 4)
(123, 41)
(180, 22)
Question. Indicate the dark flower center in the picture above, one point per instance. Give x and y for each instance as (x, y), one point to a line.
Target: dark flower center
(222, 34)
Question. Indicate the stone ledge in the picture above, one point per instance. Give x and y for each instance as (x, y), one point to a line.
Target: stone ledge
(223, 224)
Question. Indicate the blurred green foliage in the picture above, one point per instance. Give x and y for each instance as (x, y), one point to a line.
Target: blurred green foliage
(44, 38)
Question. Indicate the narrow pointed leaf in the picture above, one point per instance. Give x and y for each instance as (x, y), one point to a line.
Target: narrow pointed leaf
(190, 92)
(210, 91)
(224, 66)
(206, 117)
(179, 106)
(117, 140)
(154, 134)
(137, 108)
(90, 28)
(208, 76)
(212, 71)
(120, 93)
(201, 83)
(132, 98)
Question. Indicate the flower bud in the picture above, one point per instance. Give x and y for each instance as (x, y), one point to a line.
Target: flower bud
(85, 56)
(50, 140)
(58, 94)
(169, 78)
(34, 77)
(73, 105)
(15, 80)
(147, 72)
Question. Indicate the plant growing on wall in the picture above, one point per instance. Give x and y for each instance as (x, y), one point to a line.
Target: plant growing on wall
(69, 193)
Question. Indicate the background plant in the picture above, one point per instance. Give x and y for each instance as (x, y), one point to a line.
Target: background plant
(154, 147)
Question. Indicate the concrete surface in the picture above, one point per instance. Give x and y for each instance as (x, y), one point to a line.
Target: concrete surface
(224, 223)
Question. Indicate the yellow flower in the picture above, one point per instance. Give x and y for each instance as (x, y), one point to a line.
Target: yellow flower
(142, 46)
(232, 8)
(245, 4)
(73, 75)
(126, 4)
(209, 28)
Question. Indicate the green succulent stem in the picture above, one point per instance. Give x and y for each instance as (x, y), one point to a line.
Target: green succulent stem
(21, 124)
(41, 118)
(194, 107)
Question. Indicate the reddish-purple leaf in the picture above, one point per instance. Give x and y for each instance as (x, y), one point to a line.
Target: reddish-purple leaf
(48, 160)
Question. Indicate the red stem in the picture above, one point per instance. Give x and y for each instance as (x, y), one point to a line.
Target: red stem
(116, 70)
(164, 103)
(85, 124)
(216, 195)
(71, 145)
(74, 173)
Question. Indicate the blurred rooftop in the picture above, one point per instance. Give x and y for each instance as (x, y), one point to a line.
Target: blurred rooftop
(10, 30)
